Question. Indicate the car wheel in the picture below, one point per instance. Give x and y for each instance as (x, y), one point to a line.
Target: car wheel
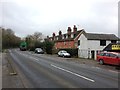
(63, 56)
(101, 61)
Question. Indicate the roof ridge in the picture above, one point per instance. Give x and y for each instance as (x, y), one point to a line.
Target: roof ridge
(71, 32)
(101, 33)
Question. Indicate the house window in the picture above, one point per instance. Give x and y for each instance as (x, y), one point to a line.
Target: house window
(113, 41)
(64, 43)
(102, 42)
(78, 42)
(69, 44)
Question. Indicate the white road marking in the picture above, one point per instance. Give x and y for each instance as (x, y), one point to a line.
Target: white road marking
(113, 71)
(73, 73)
(96, 67)
(29, 56)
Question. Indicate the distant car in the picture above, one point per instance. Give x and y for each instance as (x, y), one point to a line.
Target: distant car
(112, 58)
(63, 53)
(39, 51)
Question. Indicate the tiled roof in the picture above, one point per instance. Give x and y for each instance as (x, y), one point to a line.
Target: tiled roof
(92, 36)
(89, 36)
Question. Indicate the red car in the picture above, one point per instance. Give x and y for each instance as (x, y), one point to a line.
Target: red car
(109, 58)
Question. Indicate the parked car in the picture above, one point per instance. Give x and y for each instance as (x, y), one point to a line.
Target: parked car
(112, 58)
(39, 51)
(63, 53)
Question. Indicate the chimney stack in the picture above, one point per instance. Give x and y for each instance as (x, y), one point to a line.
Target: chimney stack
(53, 38)
(47, 37)
(69, 30)
(53, 34)
(74, 29)
(60, 33)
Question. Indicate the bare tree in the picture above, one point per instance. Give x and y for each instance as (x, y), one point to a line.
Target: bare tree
(9, 40)
(37, 36)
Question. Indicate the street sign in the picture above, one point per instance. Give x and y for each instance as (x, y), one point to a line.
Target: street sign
(115, 47)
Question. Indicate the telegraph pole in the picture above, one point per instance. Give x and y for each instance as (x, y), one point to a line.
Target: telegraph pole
(119, 20)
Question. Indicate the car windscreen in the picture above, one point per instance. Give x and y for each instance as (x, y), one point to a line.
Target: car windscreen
(64, 52)
(39, 49)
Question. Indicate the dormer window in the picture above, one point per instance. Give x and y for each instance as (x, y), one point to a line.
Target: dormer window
(72, 36)
(57, 38)
(63, 37)
(69, 35)
(66, 36)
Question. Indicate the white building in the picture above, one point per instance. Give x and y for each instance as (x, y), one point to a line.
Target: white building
(90, 44)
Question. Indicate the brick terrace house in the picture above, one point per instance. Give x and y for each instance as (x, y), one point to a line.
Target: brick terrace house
(67, 40)
(87, 44)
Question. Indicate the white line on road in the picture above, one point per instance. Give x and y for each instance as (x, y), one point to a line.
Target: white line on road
(113, 71)
(73, 73)
(28, 56)
(96, 67)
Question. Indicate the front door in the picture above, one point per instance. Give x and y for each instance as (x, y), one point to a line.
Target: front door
(93, 54)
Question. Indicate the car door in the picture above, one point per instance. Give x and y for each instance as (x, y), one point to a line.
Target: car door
(59, 53)
(114, 59)
(106, 58)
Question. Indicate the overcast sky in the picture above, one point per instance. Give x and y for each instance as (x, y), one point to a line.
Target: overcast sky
(47, 16)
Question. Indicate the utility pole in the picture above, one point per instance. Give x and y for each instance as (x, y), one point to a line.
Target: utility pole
(119, 20)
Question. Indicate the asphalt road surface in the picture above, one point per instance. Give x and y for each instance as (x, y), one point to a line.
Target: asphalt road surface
(42, 71)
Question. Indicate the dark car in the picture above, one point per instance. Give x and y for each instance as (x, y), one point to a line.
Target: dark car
(39, 51)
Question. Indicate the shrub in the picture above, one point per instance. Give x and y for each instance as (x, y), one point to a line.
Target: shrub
(49, 46)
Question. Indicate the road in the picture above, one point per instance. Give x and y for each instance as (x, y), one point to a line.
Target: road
(42, 71)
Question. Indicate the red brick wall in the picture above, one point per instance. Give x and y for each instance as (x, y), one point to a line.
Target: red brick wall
(67, 44)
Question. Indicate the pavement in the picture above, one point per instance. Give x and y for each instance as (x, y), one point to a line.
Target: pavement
(9, 80)
(0, 70)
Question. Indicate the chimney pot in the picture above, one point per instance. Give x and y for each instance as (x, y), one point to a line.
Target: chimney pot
(60, 33)
(69, 30)
(47, 36)
(74, 28)
(53, 34)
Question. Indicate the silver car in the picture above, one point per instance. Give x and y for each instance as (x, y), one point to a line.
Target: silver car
(39, 51)
(63, 53)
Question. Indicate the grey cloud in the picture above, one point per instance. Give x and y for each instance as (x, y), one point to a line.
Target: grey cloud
(22, 19)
